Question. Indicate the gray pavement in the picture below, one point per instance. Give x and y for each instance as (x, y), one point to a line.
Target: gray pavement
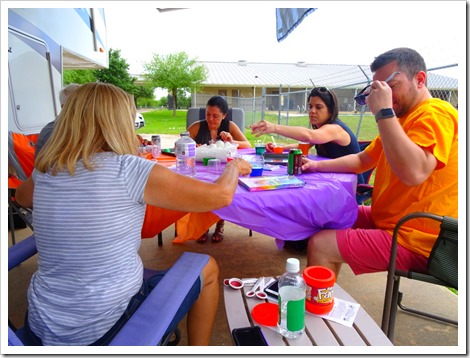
(239, 255)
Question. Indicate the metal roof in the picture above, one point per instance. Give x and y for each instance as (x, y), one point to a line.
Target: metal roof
(300, 74)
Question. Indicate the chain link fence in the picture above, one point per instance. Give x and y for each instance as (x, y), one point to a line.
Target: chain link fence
(288, 106)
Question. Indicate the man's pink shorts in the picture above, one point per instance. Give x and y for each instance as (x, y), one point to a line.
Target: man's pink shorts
(367, 249)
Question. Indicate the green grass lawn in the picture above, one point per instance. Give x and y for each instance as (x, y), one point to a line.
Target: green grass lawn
(162, 121)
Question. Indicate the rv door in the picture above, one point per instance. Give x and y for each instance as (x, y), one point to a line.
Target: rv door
(32, 81)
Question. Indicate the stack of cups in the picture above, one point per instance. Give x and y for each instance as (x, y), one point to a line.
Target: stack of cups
(319, 297)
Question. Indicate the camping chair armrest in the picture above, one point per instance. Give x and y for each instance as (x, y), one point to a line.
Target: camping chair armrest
(149, 323)
(21, 251)
(393, 252)
(363, 188)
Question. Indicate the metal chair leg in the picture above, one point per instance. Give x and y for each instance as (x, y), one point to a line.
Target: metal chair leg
(390, 305)
(422, 313)
(12, 225)
(393, 308)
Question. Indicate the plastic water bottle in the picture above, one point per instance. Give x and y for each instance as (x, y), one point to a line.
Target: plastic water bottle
(185, 150)
(291, 323)
(156, 146)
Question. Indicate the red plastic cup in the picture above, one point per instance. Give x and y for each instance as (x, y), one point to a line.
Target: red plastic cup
(319, 296)
(278, 149)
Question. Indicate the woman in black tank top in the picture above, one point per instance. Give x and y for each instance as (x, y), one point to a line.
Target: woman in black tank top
(211, 129)
(216, 126)
(331, 137)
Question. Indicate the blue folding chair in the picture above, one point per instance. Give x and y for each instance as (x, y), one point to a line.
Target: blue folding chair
(149, 323)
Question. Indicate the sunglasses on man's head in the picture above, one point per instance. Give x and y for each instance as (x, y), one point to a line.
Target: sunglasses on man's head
(360, 98)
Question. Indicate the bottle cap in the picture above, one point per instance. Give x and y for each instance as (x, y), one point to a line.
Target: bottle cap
(292, 265)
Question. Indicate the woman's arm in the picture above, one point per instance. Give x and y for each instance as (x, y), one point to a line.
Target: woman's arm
(24, 193)
(235, 136)
(193, 129)
(325, 134)
(169, 190)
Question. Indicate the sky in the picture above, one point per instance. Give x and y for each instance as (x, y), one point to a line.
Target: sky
(338, 32)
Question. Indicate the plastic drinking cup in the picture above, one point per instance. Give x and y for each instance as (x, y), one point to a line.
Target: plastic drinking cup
(205, 161)
(257, 166)
(304, 147)
(278, 149)
(214, 166)
(259, 148)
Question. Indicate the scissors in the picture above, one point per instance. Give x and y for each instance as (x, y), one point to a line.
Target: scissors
(237, 283)
(257, 290)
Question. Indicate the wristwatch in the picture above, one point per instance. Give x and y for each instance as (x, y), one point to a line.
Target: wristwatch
(384, 113)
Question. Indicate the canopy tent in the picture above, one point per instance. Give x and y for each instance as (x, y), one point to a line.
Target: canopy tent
(288, 19)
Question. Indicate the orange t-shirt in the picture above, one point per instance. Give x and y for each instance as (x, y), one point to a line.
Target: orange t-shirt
(433, 125)
(24, 148)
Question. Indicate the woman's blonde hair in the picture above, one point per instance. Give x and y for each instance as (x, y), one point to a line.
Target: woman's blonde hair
(98, 117)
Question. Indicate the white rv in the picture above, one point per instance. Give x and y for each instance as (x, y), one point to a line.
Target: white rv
(41, 43)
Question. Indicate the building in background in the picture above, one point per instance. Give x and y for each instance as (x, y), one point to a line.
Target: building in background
(285, 86)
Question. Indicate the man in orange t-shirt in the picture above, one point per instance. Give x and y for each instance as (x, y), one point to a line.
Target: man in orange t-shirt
(416, 154)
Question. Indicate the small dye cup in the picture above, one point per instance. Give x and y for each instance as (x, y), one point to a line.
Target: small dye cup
(214, 166)
(304, 147)
(257, 167)
(278, 149)
(206, 160)
(259, 148)
(319, 294)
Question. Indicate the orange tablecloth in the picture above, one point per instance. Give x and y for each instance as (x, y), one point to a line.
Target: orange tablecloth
(193, 225)
(157, 219)
(190, 226)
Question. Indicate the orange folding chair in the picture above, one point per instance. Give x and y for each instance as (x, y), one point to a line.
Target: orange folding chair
(21, 149)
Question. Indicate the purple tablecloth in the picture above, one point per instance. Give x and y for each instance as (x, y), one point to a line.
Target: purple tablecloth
(327, 201)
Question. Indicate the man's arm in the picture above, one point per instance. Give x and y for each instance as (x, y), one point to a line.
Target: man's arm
(409, 162)
(352, 163)
(24, 193)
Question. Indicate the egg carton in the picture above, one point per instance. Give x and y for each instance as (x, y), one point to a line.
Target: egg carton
(219, 150)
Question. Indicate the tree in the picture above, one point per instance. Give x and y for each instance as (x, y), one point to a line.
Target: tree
(183, 100)
(117, 73)
(79, 76)
(144, 94)
(173, 72)
(163, 101)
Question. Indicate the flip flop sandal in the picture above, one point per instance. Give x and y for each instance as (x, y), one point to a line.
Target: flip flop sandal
(218, 234)
(203, 237)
